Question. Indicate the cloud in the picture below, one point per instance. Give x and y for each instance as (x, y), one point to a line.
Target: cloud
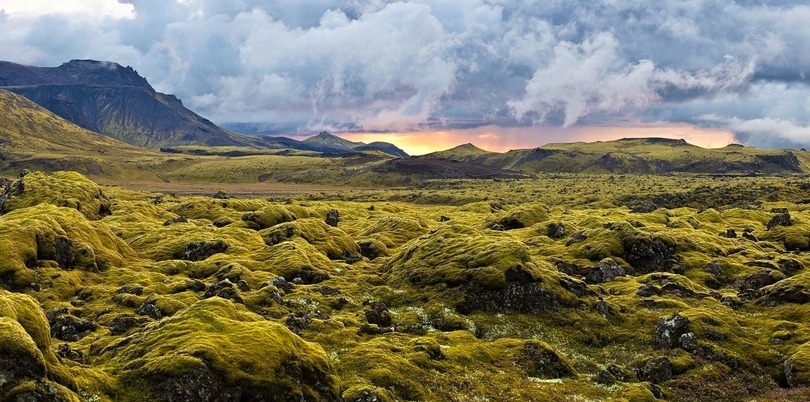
(405, 65)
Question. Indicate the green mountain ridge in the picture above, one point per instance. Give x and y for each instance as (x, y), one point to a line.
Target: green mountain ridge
(635, 155)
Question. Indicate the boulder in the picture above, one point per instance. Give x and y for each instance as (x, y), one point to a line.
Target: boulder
(604, 271)
(669, 330)
(655, 370)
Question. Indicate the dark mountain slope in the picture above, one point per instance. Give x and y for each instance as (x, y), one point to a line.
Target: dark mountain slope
(113, 100)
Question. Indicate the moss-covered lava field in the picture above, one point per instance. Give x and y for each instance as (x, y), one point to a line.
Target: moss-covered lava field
(559, 287)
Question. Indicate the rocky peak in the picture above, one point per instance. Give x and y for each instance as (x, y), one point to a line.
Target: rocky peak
(93, 72)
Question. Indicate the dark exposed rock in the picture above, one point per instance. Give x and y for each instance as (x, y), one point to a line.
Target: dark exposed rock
(63, 253)
(676, 288)
(731, 233)
(789, 369)
(243, 285)
(604, 377)
(542, 362)
(795, 294)
(444, 218)
(573, 269)
(689, 343)
(298, 321)
(351, 257)
(66, 327)
(604, 309)
(604, 272)
(200, 250)
(150, 310)
(221, 195)
(669, 330)
(644, 207)
(328, 291)
(224, 289)
(281, 284)
(646, 256)
(758, 280)
(782, 219)
(123, 323)
(578, 288)
(498, 227)
(790, 267)
(179, 219)
(556, 230)
(332, 217)
(66, 352)
(366, 396)
(655, 370)
(378, 314)
(529, 298)
(648, 290)
(714, 268)
(130, 289)
(577, 237)
(158, 199)
(749, 236)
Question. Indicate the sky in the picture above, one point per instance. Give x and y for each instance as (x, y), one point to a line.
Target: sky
(501, 74)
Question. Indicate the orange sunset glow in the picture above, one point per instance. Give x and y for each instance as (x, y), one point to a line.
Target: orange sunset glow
(501, 139)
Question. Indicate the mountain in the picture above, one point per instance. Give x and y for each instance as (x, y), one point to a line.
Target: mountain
(113, 100)
(635, 155)
(328, 143)
(34, 138)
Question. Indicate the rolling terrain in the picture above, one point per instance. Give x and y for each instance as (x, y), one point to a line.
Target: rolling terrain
(544, 289)
(635, 155)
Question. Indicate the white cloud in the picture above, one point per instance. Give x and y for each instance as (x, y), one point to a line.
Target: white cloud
(395, 64)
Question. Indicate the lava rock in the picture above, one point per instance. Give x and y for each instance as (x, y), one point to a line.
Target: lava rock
(200, 250)
(556, 230)
(758, 280)
(224, 289)
(281, 284)
(528, 298)
(179, 219)
(150, 310)
(66, 352)
(646, 256)
(782, 219)
(123, 323)
(298, 321)
(731, 233)
(378, 314)
(605, 272)
(351, 257)
(648, 290)
(669, 330)
(655, 370)
(66, 327)
(332, 217)
(578, 288)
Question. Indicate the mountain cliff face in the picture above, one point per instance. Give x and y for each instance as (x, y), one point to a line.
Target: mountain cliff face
(115, 101)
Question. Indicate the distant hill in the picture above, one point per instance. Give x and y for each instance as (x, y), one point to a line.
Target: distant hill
(115, 101)
(34, 138)
(635, 155)
(326, 142)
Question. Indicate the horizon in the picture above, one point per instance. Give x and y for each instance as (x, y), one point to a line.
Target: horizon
(535, 72)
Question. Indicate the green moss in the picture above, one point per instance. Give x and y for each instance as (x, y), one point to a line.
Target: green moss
(62, 189)
(270, 216)
(240, 346)
(394, 231)
(330, 241)
(457, 254)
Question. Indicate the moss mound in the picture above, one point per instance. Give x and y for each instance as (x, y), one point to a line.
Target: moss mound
(217, 349)
(334, 243)
(29, 370)
(523, 216)
(63, 189)
(45, 235)
(458, 254)
(394, 230)
(269, 216)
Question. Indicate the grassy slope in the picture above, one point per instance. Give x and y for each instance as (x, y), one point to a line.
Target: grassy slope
(636, 156)
(424, 268)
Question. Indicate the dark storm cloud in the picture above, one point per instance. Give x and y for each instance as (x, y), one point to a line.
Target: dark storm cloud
(395, 65)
